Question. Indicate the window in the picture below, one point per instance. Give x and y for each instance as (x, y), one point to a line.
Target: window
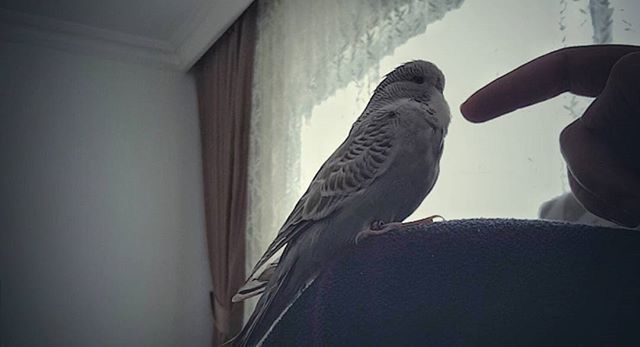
(503, 168)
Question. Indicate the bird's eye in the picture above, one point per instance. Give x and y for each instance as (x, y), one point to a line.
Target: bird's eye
(418, 79)
(440, 84)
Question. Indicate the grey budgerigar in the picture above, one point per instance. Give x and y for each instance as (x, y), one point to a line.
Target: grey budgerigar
(376, 178)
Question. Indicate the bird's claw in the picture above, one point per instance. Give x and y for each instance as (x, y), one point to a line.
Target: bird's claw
(377, 229)
(430, 219)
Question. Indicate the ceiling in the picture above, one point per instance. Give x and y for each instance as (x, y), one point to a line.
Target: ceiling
(167, 33)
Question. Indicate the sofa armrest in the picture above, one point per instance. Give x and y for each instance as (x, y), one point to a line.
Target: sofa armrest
(475, 282)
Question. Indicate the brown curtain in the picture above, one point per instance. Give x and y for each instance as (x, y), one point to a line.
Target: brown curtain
(224, 76)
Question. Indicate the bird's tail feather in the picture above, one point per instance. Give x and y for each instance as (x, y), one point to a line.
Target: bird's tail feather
(257, 284)
(265, 313)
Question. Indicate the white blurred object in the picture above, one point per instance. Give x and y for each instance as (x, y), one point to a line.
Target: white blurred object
(566, 208)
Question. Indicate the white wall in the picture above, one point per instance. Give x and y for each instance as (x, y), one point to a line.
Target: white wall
(102, 230)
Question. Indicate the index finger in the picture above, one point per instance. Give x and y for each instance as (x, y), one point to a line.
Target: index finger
(580, 70)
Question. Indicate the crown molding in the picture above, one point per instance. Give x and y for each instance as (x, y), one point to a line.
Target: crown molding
(180, 52)
(205, 26)
(78, 38)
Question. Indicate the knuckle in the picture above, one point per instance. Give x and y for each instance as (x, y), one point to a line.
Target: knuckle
(626, 72)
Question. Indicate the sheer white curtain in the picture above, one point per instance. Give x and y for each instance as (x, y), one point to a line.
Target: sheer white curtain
(317, 62)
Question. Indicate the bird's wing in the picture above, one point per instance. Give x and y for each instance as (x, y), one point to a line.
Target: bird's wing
(351, 169)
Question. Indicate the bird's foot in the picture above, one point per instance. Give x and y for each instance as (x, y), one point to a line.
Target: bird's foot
(379, 227)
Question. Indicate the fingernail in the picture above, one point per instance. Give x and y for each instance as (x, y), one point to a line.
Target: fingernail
(463, 108)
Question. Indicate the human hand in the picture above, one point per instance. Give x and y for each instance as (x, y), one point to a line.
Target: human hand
(601, 148)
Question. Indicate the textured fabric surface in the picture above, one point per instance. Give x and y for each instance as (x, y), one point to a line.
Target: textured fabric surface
(475, 282)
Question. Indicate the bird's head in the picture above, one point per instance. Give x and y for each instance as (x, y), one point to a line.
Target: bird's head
(420, 82)
(413, 78)
(417, 80)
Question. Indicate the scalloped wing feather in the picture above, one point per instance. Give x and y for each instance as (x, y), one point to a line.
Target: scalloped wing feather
(364, 156)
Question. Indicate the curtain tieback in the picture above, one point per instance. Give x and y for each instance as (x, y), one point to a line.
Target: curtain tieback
(221, 314)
